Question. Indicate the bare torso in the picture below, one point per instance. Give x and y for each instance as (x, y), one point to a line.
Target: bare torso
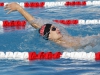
(69, 42)
(78, 42)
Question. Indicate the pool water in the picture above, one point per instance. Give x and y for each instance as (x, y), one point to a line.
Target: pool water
(28, 39)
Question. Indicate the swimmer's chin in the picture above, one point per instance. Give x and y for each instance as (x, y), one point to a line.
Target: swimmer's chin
(61, 36)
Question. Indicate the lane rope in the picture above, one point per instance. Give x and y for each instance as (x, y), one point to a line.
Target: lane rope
(91, 56)
(21, 24)
(78, 22)
(53, 4)
(10, 23)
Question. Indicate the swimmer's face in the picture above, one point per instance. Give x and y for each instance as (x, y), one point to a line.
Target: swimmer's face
(55, 33)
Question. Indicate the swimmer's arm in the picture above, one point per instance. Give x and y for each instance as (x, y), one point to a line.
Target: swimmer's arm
(28, 17)
(16, 7)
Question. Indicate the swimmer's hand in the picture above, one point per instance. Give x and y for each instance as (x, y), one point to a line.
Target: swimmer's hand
(12, 7)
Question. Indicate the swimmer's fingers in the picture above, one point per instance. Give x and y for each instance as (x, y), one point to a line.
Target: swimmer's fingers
(12, 7)
(9, 11)
(7, 6)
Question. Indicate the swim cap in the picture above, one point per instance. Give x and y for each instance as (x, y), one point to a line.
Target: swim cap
(45, 30)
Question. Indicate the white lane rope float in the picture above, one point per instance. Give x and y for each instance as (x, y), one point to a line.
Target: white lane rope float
(53, 4)
(91, 56)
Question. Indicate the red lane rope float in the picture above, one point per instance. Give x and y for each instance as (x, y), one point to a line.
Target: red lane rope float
(44, 55)
(34, 4)
(6, 26)
(12, 23)
(91, 56)
(67, 22)
(53, 4)
(76, 22)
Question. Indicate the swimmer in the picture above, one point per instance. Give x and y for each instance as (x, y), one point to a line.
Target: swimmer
(50, 32)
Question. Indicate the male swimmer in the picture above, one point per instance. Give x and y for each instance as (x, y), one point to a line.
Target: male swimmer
(49, 31)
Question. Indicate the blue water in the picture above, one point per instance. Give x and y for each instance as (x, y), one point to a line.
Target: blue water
(29, 40)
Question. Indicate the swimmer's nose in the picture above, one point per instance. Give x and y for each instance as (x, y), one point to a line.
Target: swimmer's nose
(58, 29)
